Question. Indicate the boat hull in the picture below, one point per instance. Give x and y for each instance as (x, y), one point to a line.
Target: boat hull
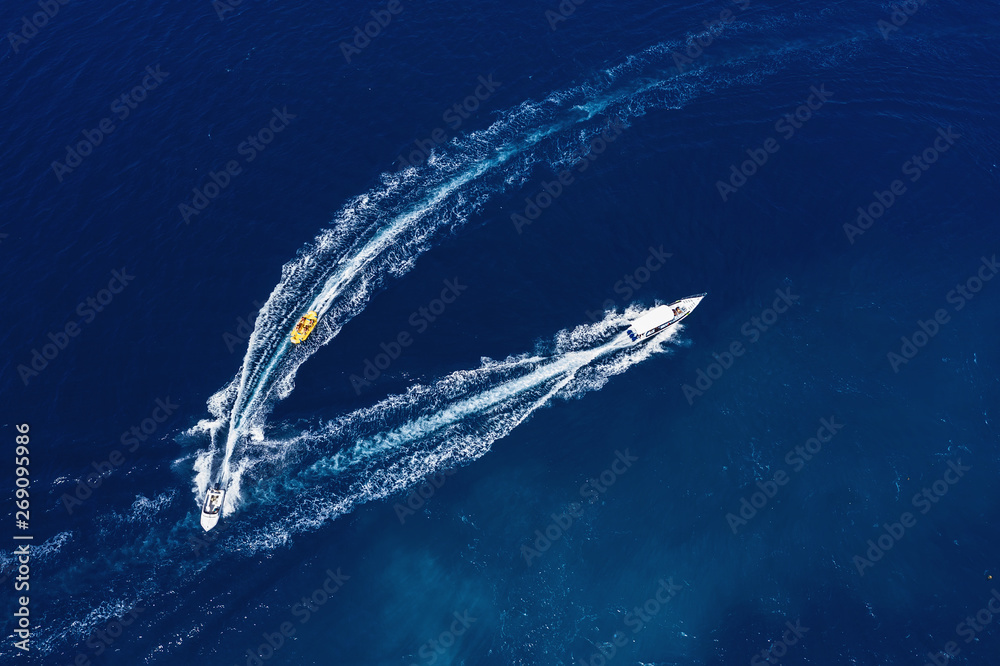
(661, 318)
(305, 327)
(212, 508)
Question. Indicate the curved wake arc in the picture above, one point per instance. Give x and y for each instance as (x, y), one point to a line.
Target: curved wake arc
(384, 449)
(383, 231)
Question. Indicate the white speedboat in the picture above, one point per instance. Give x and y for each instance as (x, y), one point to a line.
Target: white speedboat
(662, 317)
(213, 508)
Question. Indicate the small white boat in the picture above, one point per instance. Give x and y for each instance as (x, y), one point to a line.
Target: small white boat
(662, 317)
(213, 508)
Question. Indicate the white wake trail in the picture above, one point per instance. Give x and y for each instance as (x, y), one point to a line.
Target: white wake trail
(337, 274)
(382, 232)
(384, 449)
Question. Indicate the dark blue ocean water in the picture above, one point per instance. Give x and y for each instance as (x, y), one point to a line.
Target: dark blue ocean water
(500, 492)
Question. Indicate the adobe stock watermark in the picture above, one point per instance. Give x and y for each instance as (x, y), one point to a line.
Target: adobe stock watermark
(122, 106)
(633, 282)
(550, 191)
(432, 650)
(37, 21)
(223, 7)
(914, 168)
(968, 629)
(249, 149)
(796, 459)
(132, 438)
(303, 611)
(87, 310)
(697, 44)
(752, 329)
(363, 37)
(244, 327)
(901, 13)
(566, 8)
(419, 495)
(453, 116)
(958, 298)
(637, 619)
(924, 500)
(776, 651)
(420, 320)
(592, 491)
(787, 126)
